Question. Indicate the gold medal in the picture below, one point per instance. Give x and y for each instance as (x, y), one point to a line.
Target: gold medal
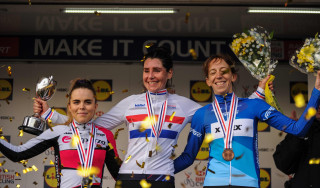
(227, 154)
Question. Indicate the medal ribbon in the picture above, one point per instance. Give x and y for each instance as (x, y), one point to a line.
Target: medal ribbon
(227, 127)
(85, 157)
(156, 126)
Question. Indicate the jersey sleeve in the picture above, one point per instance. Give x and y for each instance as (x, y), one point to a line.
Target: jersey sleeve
(116, 116)
(195, 138)
(31, 148)
(259, 94)
(281, 122)
(54, 116)
(189, 106)
(112, 159)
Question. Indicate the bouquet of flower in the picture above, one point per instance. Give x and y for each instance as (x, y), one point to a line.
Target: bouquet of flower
(253, 49)
(307, 59)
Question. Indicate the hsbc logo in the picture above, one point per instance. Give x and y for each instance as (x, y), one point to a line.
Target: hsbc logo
(66, 139)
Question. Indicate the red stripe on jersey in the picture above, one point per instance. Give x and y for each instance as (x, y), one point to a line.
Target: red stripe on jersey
(141, 117)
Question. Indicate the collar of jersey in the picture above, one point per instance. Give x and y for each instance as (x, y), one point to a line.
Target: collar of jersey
(223, 98)
(81, 125)
(160, 92)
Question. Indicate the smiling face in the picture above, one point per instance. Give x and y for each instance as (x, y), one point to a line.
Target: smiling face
(155, 76)
(220, 77)
(82, 105)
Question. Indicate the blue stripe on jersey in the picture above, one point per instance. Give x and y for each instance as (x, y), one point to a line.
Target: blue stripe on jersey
(164, 134)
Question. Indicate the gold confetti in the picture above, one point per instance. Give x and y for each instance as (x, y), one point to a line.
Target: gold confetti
(34, 168)
(23, 162)
(132, 175)
(9, 70)
(183, 185)
(211, 171)
(29, 169)
(146, 123)
(117, 133)
(150, 153)
(24, 171)
(3, 162)
(204, 168)
(169, 126)
(144, 58)
(310, 113)
(123, 151)
(44, 160)
(172, 156)
(193, 54)
(149, 45)
(10, 119)
(1, 131)
(127, 160)
(6, 186)
(35, 183)
(2, 137)
(75, 141)
(20, 133)
(7, 101)
(145, 184)
(67, 95)
(111, 92)
(6, 170)
(158, 148)
(25, 89)
(110, 146)
(50, 125)
(51, 162)
(88, 172)
(174, 146)
(17, 174)
(125, 90)
(18, 185)
(140, 165)
(314, 161)
(186, 20)
(208, 138)
(97, 13)
(299, 100)
(168, 177)
(172, 115)
(239, 157)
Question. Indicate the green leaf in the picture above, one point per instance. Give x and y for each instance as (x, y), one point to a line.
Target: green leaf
(316, 37)
(271, 35)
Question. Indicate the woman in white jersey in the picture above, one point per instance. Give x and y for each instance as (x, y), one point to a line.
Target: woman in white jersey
(149, 154)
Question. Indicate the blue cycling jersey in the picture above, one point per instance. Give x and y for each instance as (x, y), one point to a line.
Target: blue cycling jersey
(243, 169)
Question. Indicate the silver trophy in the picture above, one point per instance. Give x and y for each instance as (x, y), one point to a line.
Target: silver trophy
(35, 124)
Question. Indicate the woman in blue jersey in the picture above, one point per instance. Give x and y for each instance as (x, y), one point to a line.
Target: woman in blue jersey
(232, 121)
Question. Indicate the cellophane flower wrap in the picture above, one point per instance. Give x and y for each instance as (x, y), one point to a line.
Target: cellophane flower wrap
(307, 58)
(253, 48)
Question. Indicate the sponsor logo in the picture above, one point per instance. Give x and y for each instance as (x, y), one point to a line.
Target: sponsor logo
(203, 153)
(50, 179)
(8, 177)
(267, 114)
(200, 91)
(172, 106)
(139, 105)
(66, 139)
(103, 89)
(195, 133)
(265, 177)
(6, 88)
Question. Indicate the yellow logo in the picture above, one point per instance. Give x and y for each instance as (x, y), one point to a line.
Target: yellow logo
(265, 178)
(299, 87)
(200, 91)
(50, 177)
(103, 89)
(203, 153)
(5, 89)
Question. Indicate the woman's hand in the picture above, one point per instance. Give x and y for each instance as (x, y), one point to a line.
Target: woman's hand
(317, 84)
(40, 106)
(262, 83)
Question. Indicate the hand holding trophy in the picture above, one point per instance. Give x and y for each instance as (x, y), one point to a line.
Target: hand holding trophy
(45, 89)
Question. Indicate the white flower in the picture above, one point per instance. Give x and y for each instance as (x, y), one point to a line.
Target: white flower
(256, 62)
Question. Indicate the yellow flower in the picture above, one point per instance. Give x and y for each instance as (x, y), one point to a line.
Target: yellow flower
(310, 68)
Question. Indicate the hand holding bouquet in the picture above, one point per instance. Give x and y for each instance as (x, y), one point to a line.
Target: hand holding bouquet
(307, 59)
(253, 49)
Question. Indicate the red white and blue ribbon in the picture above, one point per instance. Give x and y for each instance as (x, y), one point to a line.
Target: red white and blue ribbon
(156, 125)
(85, 156)
(227, 126)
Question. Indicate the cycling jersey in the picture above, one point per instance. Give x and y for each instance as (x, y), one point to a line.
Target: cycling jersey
(132, 111)
(243, 169)
(66, 156)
